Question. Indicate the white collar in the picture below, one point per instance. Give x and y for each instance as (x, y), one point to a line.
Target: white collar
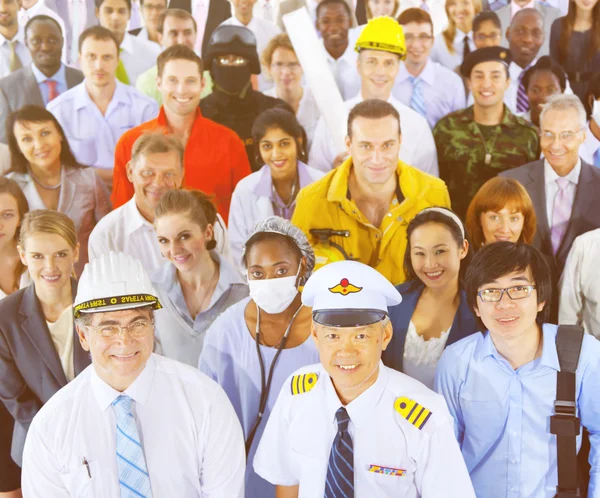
(20, 37)
(133, 217)
(348, 56)
(127, 44)
(459, 37)
(550, 176)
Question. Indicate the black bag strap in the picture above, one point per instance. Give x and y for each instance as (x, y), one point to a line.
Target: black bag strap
(564, 423)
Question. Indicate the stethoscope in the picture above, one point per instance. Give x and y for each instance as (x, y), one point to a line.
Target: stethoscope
(266, 380)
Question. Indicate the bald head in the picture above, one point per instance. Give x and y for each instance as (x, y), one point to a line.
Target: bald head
(525, 36)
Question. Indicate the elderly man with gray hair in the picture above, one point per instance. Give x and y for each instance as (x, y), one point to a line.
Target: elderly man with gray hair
(156, 166)
(564, 188)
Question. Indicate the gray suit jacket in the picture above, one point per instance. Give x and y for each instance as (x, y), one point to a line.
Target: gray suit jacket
(585, 215)
(30, 369)
(287, 6)
(21, 88)
(549, 14)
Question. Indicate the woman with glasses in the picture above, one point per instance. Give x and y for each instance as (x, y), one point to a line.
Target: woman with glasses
(49, 175)
(39, 349)
(281, 148)
(435, 262)
(256, 344)
(282, 65)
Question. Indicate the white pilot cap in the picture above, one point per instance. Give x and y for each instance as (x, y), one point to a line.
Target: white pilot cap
(349, 294)
(114, 281)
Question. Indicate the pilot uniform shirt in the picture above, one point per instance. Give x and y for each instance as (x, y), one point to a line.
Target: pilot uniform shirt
(409, 453)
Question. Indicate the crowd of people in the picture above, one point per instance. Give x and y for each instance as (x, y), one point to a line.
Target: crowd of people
(206, 292)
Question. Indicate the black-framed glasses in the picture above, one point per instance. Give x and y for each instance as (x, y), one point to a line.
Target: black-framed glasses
(495, 295)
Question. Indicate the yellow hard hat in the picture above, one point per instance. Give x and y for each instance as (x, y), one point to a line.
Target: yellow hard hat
(382, 33)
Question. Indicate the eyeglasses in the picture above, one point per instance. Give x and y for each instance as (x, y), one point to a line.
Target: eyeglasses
(564, 136)
(495, 295)
(421, 38)
(291, 66)
(136, 329)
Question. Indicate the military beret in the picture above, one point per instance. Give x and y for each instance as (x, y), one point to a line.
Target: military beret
(486, 54)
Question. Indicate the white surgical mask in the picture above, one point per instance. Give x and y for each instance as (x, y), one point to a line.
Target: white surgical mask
(596, 111)
(274, 295)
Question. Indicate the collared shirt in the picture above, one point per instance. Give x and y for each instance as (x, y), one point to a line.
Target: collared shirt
(442, 90)
(40, 9)
(229, 357)
(192, 439)
(79, 22)
(417, 148)
(589, 146)
(20, 48)
(138, 56)
(126, 230)
(550, 177)
(41, 78)
(297, 441)
(515, 7)
(440, 52)
(437, 11)
(93, 136)
(146, 84)
(344, 71)
(502, 415)
(200, 19)
(515, 71)
(266, 9)
(182, 337)
(144, 35)
(209, 144)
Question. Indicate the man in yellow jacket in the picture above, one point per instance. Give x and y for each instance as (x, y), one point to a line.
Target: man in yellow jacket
(361, 209)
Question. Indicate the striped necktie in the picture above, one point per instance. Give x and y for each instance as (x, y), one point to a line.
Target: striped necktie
(417, 101)
(14, 62)
(561, 212)
(133, 474)
(340, 471)
(522, 99)
(121, 73)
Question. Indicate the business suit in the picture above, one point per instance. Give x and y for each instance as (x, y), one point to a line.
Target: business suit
(464, 322)
(30, 368)
(21, 88)
(287, 6)
(218, 11)
(549, 14)
(585, 215)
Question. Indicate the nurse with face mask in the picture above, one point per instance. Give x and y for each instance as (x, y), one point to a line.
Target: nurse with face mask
(253, 347)
(590, 149)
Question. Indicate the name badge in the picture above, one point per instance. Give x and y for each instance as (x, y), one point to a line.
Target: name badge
(388, 471)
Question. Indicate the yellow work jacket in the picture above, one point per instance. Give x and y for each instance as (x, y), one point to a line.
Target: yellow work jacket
(325, 204)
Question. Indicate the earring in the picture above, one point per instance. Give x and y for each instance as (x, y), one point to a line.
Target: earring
(211, 244)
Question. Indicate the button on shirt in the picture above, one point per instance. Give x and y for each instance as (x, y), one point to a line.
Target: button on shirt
(138, 56)
(502, 415)
(297, 441)
(551, 186)
(59, 77)
(93, 136)
(20, 48)
(344, 71)
(192, 440)
(442, 89)
(440, 52)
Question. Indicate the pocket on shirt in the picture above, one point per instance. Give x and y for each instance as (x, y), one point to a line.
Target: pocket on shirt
(79, 483)
(386, 484)
(84, 150)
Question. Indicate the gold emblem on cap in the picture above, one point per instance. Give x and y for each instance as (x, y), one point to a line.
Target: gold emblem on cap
(503, 54)
(344, 288)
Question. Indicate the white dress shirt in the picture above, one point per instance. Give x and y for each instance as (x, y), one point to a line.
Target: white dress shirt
(440, 52)
(579, 284)
(92, 135)
(40, 9)
(200, 14)
(510, 96)
(191, 436)
(126, 230)
(263, 31)
(437, 11)
(144, 35)
(138, 56)
(20, 48)
(266, 9)
(296, 443)
(551, 186)
(589, 146)
(417, 148)
(76, 8)
(442, 90)
(344, 71)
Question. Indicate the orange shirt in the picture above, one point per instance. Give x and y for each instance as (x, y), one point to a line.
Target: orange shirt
(214, 161)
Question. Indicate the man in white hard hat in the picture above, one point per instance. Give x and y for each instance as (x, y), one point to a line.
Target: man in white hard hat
(349, 426)
(134, 424)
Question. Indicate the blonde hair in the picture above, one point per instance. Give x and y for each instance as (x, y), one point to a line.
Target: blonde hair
(394, 13)
(450, 32)
(156, 142)
(48, 221)
(278, 41)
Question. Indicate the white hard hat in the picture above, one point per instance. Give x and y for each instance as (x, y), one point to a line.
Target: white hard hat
(114, 281)
(349, 294)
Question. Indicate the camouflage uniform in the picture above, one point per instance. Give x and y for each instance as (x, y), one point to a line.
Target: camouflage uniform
(462, 154)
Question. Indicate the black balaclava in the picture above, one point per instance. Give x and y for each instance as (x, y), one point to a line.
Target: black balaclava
(233, 81)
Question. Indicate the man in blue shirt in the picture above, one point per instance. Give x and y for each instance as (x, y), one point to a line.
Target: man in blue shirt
(500, 385)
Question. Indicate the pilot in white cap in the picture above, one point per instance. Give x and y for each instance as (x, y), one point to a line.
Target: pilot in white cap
(349, 294)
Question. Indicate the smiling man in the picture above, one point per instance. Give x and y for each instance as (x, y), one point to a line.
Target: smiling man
(350, 426)
(477, 143)
(133, 423)
(501, 385)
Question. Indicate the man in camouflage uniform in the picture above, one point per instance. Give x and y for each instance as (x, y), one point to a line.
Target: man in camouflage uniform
(477, 143)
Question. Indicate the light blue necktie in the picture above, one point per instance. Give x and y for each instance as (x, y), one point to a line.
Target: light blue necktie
(417, 101)
(133, 473)
(597, 158)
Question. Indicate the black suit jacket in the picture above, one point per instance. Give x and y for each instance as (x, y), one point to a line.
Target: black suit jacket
(585, 215)
(218, 11)
(135, 32)
(30, 368)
